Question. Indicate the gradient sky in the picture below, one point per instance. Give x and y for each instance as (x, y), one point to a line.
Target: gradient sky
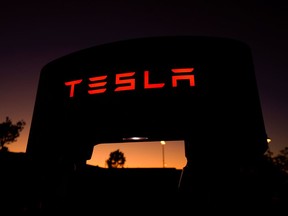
(34, 33)
(146, 154)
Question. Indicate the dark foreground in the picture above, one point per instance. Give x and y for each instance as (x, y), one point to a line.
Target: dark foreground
(94, 190)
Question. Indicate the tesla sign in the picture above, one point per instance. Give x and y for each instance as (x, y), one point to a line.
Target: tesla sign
(126, 81)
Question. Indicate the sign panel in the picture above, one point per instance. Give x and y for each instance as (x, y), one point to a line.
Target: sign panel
(162, 88)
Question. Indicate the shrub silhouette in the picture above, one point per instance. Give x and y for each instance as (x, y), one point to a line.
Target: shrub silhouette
(116, 159)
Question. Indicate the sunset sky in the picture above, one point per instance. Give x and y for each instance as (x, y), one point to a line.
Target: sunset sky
(33, 33)
(148, 154)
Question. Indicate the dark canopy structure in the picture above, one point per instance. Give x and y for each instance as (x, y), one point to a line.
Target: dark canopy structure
(202, 90)
(165, 88)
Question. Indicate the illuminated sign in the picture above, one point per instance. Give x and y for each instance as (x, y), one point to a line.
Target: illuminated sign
(188, 88)
(162, 88)
(126, 81)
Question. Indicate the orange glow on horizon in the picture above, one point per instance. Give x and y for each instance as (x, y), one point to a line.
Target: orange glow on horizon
(142, 154)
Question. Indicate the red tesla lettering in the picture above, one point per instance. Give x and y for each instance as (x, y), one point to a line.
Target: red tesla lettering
(189, 77)
(126, 81)
(148, 85)
(97, 84)
(72, 84)
(130, 83)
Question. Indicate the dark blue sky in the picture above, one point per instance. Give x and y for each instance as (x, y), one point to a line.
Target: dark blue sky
(34, 33)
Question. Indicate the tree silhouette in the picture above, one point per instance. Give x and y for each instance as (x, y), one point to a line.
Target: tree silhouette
(116, 159)
(9, 132)
(278, 177)
(281, 160)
